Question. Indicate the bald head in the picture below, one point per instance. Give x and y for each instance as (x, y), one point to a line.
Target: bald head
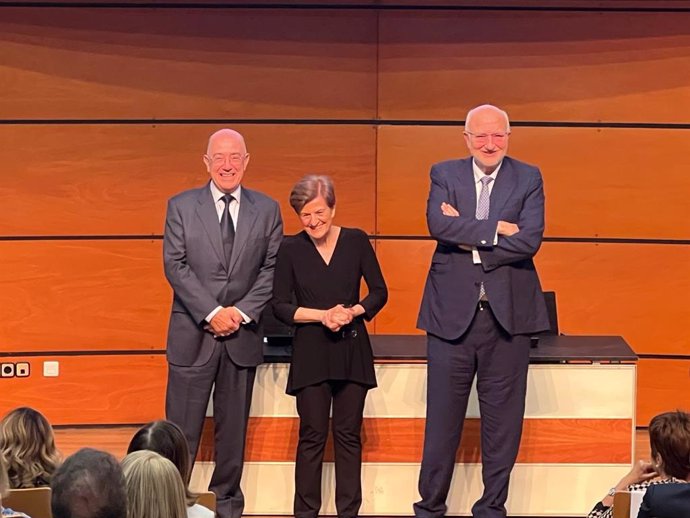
(487, 129)
(487, 110)
(226, 159)
(225, 134)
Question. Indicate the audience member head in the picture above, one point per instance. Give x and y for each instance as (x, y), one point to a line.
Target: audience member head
(89, 484)
(28, 445)
(669, 438)
(154, 486)
(168, 440)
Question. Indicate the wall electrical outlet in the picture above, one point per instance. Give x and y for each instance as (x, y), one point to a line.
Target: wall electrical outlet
(23, 369)
(7, 370)
(51, 369)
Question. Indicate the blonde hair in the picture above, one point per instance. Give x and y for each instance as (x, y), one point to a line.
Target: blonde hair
(154, 486)
(28, 445)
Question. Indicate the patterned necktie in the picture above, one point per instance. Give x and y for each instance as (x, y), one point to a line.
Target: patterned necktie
(483, 203)
(482, 212)
(227, 229)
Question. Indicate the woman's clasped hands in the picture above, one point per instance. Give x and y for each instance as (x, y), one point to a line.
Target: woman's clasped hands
(337, 317)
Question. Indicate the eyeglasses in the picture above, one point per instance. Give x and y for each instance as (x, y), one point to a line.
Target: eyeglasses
(235, 158)
(483, 138)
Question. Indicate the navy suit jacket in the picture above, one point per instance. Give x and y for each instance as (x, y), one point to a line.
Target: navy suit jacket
(507, 270)
(666, 501)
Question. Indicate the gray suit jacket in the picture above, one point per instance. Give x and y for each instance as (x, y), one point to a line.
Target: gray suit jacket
(195, 268)
(507, 270)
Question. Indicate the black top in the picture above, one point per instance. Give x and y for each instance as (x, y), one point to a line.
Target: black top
(303, 279)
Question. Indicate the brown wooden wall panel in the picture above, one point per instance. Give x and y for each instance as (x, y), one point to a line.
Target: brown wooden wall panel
(95, 180)
(638, 291)
(115, 440)
(107, 389)
(83, 295)
(641, 292)
(539, 65)
(598, 182)
(191, 63)
(662, 386)
(274, 439)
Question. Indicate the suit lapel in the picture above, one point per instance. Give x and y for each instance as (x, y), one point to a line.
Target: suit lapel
(206, 210)
(505, 184)
(245, 222)
(464, 189)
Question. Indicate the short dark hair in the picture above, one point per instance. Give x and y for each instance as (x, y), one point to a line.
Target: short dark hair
(669, 438)
(89, 484)
(309, 188)
(169, 441)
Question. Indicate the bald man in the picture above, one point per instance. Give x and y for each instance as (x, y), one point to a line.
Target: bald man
(219, 251)
(481, 302)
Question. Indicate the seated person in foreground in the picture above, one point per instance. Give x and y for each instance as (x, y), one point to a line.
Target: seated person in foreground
(669, 438)
(666, 501)
(167, 439)
(28, 445)
(154, 486)
(4, 490)
(89, 484)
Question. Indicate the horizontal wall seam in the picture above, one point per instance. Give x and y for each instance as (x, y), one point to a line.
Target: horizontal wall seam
(159, 352)
(159, 237)
(102, 352)
(351, 6)
(337, 122)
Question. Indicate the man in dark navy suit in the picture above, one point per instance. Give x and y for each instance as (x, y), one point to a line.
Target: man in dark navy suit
(481, 302)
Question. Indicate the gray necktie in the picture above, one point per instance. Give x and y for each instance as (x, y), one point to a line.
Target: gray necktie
(227, 229)
(482, 212)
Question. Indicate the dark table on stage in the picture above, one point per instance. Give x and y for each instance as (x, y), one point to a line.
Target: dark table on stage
(548, 349)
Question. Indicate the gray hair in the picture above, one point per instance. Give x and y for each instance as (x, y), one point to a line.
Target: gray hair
(311, 187)
(89, 484)
(470, 113)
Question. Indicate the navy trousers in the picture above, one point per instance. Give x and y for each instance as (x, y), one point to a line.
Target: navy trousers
(500, 362)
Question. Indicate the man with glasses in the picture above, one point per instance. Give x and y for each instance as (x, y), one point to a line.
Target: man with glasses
(481, 302)
(219, 252)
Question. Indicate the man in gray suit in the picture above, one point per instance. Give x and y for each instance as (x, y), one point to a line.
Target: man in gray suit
(481, 302)
(219, 251)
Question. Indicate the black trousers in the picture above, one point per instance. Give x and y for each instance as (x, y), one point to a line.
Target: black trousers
(313, 407)
(186, 401)
(500, 362)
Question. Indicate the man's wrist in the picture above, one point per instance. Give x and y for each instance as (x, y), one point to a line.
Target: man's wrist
(212, 314)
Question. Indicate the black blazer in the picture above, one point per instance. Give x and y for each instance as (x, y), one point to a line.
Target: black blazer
(666, 501)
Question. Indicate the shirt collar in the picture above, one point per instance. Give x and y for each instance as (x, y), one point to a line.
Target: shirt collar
(479, 174)
(218, 194)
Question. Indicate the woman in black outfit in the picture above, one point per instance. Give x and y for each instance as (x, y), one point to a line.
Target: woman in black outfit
(316, 288)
